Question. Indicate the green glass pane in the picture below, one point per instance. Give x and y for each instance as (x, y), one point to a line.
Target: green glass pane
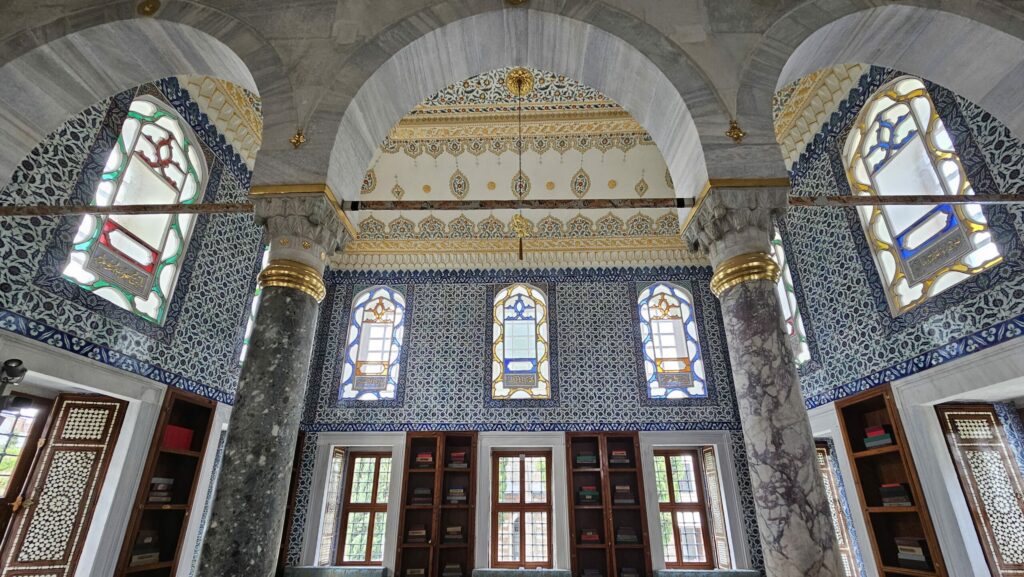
(5, 480)
(356, 535)
(668, 537)
(380, 522)
(508, 479)
(362, 479)
(384, 480)
(7, 465)
(661, 479)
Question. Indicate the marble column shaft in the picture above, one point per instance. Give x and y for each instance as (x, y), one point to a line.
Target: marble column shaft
(244, 533)
(792, 511)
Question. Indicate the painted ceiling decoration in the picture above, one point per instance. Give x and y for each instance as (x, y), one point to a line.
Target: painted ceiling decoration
(236, 112)
(461, 144)
(801, 107)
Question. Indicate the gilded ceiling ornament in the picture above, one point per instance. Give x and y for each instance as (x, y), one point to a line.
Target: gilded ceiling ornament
(735, 132)
(147, 7)
(641, 187)
(458, 184)
(297, 139)
(668, 180)
(520, 185)
(520, 226)
(550, 185)
(491, 185)
(519, 82)
(369, 182)
(426, 189)
(397, 191)
(612, 184)
(580, 183)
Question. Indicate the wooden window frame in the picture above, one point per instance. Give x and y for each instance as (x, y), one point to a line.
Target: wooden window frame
(373, 507)
(701, 507)
(522, 508)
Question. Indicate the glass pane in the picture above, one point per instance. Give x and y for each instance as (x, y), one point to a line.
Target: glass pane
(685, 486)
(356, 535)
(508, 479)
(691, 537)
(380, 522)
(331, 497)
(536, 536)
(536, 471)
(661, 478)
(384, 480)
(362, 480)
(508, 537)
(668, 538)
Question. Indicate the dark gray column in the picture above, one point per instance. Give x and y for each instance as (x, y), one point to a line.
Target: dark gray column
(734, 227)
(244, 532)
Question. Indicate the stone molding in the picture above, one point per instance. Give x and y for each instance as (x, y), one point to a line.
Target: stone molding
(733, 221)
(302, 227)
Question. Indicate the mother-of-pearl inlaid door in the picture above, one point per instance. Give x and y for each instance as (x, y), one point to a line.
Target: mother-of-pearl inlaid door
(49, 528)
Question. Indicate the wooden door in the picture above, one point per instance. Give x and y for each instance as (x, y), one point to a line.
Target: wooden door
(48, 531)
(20, 430)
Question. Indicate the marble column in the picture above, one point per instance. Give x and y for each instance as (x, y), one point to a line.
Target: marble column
(244, 532)
(734, 226)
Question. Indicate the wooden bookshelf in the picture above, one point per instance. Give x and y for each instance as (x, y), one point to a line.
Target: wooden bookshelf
(887, 464)
(440, 512)
(607, 514)
(163, 514)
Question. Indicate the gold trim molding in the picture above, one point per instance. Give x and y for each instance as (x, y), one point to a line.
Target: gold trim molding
(294, 275)
(316, 188)
(731, 183)
(744, 268)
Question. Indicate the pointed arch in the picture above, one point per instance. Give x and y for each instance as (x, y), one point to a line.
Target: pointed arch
(521, 367)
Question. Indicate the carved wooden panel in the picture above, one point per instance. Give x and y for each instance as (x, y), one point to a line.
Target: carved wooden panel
(47, 534)
(991, 481)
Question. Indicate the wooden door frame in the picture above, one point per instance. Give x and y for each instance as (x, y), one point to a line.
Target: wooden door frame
(26, 461)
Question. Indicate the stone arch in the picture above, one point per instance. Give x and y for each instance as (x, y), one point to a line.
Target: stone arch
(670, 109)
(975, 49)
(60, 68)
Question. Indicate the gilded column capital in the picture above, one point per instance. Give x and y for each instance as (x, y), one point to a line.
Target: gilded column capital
(730, 222)
(294, 275)
(302, 228)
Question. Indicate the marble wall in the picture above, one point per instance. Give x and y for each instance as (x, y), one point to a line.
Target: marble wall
(856, 343)
(197, 347)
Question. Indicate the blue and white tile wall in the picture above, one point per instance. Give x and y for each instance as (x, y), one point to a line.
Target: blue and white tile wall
(445, 378)
(1014, 429)
(859, 343)
(197, 348)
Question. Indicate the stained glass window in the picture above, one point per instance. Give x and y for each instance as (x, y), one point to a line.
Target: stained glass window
(668, 331)
(521, 510)
(250, 323)
(900, 146)
(374, 346)
(520, 349)
(792, 320)
(132, 260)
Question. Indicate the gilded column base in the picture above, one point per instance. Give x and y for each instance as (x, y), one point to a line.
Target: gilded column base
(294, 275)
(744, 268)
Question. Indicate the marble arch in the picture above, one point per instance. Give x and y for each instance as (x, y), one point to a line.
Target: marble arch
(52, 72)
(672, 110)
(975, 49)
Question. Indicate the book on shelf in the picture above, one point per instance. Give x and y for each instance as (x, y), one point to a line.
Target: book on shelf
(456, 496)
(588, 495)
(589, 536)
(416, 534)
(422, 496)
(415, 572)
(451, 570)
(895, 495)
(144, 556)
(629, 572)
(586, 459)
(623, 495)
(425, 460)
(619, 458)
(912, 553)
(161, 484)
(877, 436)
(161, 497)
(146, 538)
(626, 536)
(453, 534)
(457, 460)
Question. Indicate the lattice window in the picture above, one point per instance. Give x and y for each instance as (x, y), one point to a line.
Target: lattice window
(835, 508)
(373, 353)
(332, 504)
(250, 322)
(521, 509)
(365, 510)
(15, 429)
(719, 532)
(791, 316)
(900, 146)
(521, 365)
(133, 260)
(673, 362)
(682, 510)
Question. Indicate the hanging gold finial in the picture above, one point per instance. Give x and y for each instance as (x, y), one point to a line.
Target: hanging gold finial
(147, 7)
(516, 2)
(521, 228)
(735, 132)
(519, 81)
(297, 139)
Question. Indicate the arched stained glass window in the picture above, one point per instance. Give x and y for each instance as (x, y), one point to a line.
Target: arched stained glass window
(900, 146)
(791, 317)
(671, 347)
(374, 346)
(133, 260)
(521, 367)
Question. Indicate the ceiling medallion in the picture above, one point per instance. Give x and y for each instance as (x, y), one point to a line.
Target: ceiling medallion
(426, 189)
(147, 7)
(735, 132)
(612, 184)
(458, 184)
(580, 184)
(369, 182)
(641, 187)
(491, 185)
(519, 82)
(397, 191)
(297, 139)
(520, 185)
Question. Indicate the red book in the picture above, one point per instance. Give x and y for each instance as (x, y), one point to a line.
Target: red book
(875, 431)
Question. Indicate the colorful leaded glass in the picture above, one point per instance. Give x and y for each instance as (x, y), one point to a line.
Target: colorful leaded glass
(520, 350)
(374, 346)
(250, 323)
(133, 260)
(671, 347)
(900, 146)
(791, 317)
